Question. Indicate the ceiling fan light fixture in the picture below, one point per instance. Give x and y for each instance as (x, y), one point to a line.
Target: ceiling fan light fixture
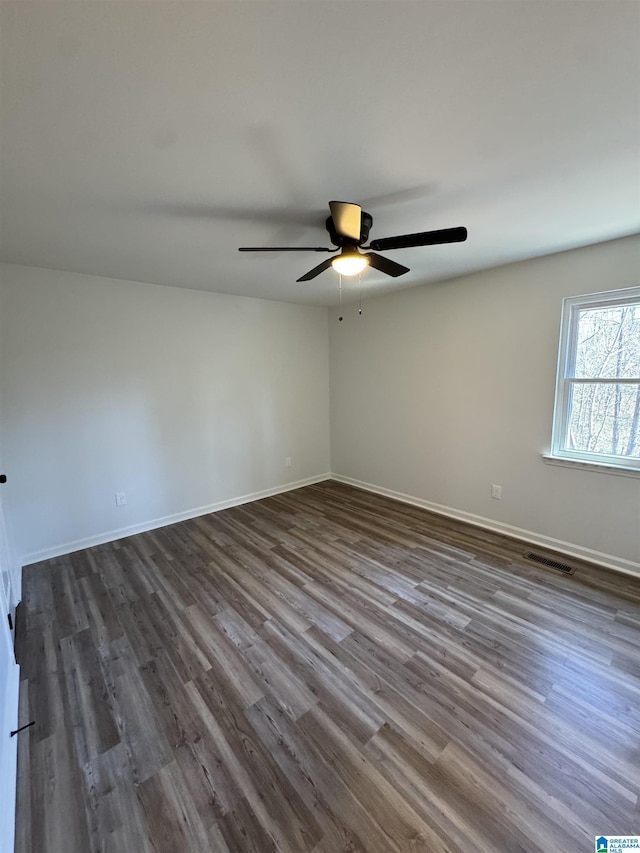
(349, 263)
(348, 228)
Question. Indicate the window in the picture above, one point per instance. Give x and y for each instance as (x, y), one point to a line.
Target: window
(597, 411)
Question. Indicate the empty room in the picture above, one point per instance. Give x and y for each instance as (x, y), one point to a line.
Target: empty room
(319, 426)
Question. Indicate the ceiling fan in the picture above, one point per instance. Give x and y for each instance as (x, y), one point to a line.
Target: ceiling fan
(348, 228)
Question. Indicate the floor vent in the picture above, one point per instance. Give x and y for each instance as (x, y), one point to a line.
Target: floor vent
(552, 564)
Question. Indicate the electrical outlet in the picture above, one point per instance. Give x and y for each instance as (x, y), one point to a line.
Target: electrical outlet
(121, 498)
(496, 492)
(287, 462)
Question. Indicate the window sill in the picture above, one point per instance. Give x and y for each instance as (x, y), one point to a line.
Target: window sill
(601, 467)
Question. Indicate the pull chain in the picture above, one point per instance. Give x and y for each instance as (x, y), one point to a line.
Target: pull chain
(359, 294)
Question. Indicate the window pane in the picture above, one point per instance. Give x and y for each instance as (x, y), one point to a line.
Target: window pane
(608, 342)
(604, 419)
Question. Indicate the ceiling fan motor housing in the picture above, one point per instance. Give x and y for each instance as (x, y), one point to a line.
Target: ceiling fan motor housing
(366, 220)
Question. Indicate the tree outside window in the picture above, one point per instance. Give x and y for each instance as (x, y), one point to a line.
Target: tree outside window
(597, 414)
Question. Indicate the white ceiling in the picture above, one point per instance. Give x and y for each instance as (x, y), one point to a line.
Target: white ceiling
(148, 140)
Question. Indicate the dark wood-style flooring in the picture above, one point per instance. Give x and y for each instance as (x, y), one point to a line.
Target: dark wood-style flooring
(325, 670)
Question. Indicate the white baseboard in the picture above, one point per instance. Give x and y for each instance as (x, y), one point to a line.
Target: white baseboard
(570, 549)
(609, 561)
(153, 524)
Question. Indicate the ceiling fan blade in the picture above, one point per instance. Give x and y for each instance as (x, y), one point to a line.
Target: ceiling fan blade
(285, 249)
(316, 270)
(423, 238)
(346, 218)
(385, 265)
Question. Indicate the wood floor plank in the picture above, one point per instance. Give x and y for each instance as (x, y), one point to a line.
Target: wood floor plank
(325, 671)
(223, 658)
(173, 824)
(91, 715)
(435, 796)
(299, 762)
(137, 720)
(23, 788)
(58, 796)
(344, 818)
(267, 668)
(229, 732)
(358, 714)
(114, 816)
(102, 619)
(44, 677)
(393, 813)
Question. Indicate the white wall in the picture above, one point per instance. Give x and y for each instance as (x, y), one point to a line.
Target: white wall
(182, 399)
(441, 390)
(188, 400)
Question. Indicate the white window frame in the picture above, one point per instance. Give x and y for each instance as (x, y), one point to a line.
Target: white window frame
(571, 306)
